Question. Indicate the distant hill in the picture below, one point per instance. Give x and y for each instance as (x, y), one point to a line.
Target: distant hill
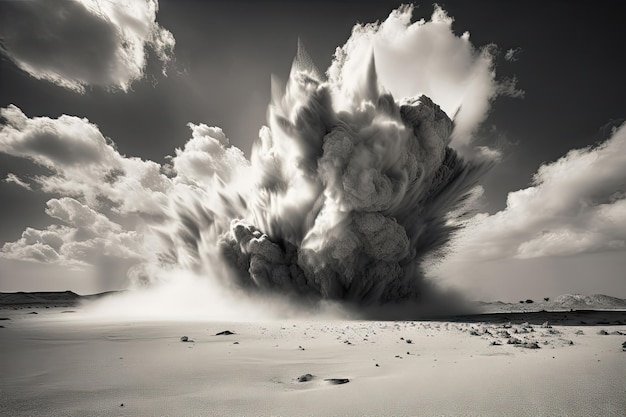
(588, 302)
(561, 303)
(48, 298)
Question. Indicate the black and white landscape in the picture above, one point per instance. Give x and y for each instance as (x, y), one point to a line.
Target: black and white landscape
(288, 208)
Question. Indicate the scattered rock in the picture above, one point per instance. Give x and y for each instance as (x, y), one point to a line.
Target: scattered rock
(1, 327)
(33, 312)
(305, 378)
(624, 346)
(337, 381)
(185, 339)
(495, 343)
(235, 343)
(546, 325)
(122, 405)
(603, 332)
(474, 332)
(5, 318)
(529, 345)
(579, 333)
(224, 333)
(409, 341)
(513, 341)
(617, 333)
(300, 348)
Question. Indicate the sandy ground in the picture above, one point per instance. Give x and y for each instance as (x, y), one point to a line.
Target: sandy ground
(57, 363)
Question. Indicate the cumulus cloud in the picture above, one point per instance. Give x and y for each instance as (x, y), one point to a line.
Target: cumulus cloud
(82, 162)
(85, 236)
(207, 155)
(82, 43)
(424, 57)
(575, 205)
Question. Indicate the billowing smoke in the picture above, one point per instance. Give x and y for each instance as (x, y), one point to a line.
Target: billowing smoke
(335, 204)
(351, 187)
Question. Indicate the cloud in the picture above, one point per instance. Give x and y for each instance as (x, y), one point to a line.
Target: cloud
(424, 57)
(12, 178)
(82, 162)
(86, 237)
(208, 154)
(82, 43)
(575, 205)
(511, 54)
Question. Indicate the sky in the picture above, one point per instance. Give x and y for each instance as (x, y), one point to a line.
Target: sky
(129, 88)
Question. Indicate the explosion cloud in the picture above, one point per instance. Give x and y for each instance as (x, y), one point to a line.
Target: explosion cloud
(353, 184)
(343, 205)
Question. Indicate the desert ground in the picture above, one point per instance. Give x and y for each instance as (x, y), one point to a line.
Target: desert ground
(55, 361)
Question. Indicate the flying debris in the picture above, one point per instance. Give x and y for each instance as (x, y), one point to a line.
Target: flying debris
(345, 205)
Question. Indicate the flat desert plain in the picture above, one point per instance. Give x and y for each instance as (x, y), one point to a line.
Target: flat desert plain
(59, 362)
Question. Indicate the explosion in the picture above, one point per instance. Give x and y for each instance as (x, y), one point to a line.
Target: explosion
(338, 204)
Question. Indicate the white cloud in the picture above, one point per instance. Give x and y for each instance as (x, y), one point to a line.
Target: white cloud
(86, 236)
(82, 162)
(14, 179)
(80, 43)
(424, 58)
(576, 205)
(208, 154)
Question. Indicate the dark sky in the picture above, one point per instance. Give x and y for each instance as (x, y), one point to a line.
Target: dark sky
(568, 65)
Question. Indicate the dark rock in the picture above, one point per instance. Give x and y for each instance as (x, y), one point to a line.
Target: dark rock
(337, 381)
(529, 345)
(33, 312)
(603, 333)
(305, 378)
(224, 333)
(409, 341)
(184, 339)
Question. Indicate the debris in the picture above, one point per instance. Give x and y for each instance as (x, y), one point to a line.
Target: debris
(337, 381)
(305, 378)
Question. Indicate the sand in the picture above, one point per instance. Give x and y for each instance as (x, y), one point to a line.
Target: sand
(58, 363)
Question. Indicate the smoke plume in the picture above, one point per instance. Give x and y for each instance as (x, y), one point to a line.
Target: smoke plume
(334, 204)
